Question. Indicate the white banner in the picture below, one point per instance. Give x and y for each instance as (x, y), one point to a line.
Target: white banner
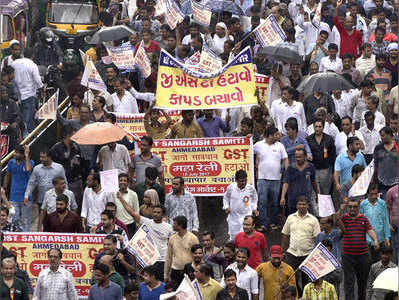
(269, 33)
(91, 78)
(361, 185)
(326, 206)
(131, 9)
(142, 247)
(201, 14)
(160, 8)
(109, 180)
(319, 262)
(187, 290)
(143, 61)
(209, 61)
(317, 17)
(49, 109)
(173, 14)
(122, 57)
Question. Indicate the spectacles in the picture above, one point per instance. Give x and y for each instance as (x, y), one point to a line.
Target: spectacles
(353, 206)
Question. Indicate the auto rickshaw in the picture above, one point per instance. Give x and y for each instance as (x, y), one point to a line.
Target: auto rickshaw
(73, 18)
(14, 22)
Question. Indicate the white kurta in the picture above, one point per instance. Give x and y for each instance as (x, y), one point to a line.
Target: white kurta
(241, 203)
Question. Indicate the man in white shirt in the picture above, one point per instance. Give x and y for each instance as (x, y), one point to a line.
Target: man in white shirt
(342, 103)
(270, 154)
(329, 126)
(55, 282)
(94, 201)
(290, 109)
(371, 134)
(126, 195)
(347, 131)
(331, 62)
(366, 62)
(372, 105)
(124, 101)
(114, 156)
(239, 201)
(27, 81)
(247, 278)
(159, 230)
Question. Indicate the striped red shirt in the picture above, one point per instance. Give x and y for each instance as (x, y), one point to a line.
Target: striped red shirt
(354, 239)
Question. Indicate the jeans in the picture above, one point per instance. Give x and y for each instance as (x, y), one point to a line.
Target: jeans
(28, 108)
(395, 243)
(268, 191)
(359, 266)
(23, 214)
(324, 180)
(300, 277)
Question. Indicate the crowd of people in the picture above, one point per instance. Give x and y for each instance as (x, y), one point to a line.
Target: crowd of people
(304, 144)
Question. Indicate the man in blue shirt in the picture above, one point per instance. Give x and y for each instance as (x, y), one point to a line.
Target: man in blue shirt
(376, 211)
(345, 162)
(18, 171)
(211, 124)
(151, 288)
(104, 289)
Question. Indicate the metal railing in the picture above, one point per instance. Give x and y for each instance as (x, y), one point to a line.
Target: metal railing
(36, 133)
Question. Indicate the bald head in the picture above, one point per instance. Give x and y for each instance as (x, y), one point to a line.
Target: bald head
(349, 23)
(107, 260)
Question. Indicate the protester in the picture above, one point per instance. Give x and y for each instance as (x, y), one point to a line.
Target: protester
(253, 240)
(392, 202)
(11, 286)
(110, 228)
(319, 288)
(231, 290)
(239, 201)
(197, 253)
(178, 255)
(104, 288)
(55, 281)
(208, 286)
(113, 275)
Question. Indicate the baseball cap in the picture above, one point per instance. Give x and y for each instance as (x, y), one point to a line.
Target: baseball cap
(276, 251)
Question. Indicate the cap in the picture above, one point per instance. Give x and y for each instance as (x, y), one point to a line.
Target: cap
(393, 46)
(221, 24)
(276, 251)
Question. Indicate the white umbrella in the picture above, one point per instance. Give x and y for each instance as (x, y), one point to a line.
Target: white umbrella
(387, 280)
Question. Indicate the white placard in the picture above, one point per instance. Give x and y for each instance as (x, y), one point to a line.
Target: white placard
(109, 180)
(326, 206)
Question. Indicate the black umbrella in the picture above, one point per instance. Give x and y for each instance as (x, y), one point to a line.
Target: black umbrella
(284, 53)
(324, 82)
(223, 5)
(107, 34)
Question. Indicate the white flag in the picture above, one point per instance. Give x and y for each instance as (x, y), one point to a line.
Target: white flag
(319, 262)
(187, 290)
(143, 248)
(49, 109)
(143, 61)
(131, 9)
(91, 78)
(202, 14)
(361, 185)
(173, 14)
(82, 56)
(210, 62)
(160, 8)
(269, 33)
(122, 56)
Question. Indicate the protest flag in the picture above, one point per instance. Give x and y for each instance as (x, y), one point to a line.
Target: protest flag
(173, 14)
(201, 14)
(142, 60)
(122, 57)
(269, 33)
(91, 78)
(49, 109)
(319, 263)
(143, 248)
(361, 185)
(187, 290)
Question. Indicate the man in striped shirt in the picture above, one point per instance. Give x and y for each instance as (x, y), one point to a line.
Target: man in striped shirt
(355, 257)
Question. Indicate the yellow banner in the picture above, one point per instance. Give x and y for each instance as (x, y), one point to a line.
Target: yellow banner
(181, 88)
(208, 165)
(78, 254)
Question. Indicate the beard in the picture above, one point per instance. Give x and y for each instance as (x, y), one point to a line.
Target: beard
(61, 211)
(276, 264)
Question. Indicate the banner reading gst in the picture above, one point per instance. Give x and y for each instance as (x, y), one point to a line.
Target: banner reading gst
(231, 86)
(262, 85)
(78, 253)
(208, 165)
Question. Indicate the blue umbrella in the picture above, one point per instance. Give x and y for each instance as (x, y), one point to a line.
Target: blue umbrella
(223, 5)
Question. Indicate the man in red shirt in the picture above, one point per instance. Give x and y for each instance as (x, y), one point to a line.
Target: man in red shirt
(253, 240)
(351, 39)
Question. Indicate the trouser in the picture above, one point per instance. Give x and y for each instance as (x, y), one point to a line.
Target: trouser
(324, 180)
(300, 277)
(383, 189)
(368, 158)
(177, 276)
(374, 254)
(268, 191)
(23, 214)
(395, 243)
(159, 269)
(28, 108)
(76, 187)
(359, 266)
